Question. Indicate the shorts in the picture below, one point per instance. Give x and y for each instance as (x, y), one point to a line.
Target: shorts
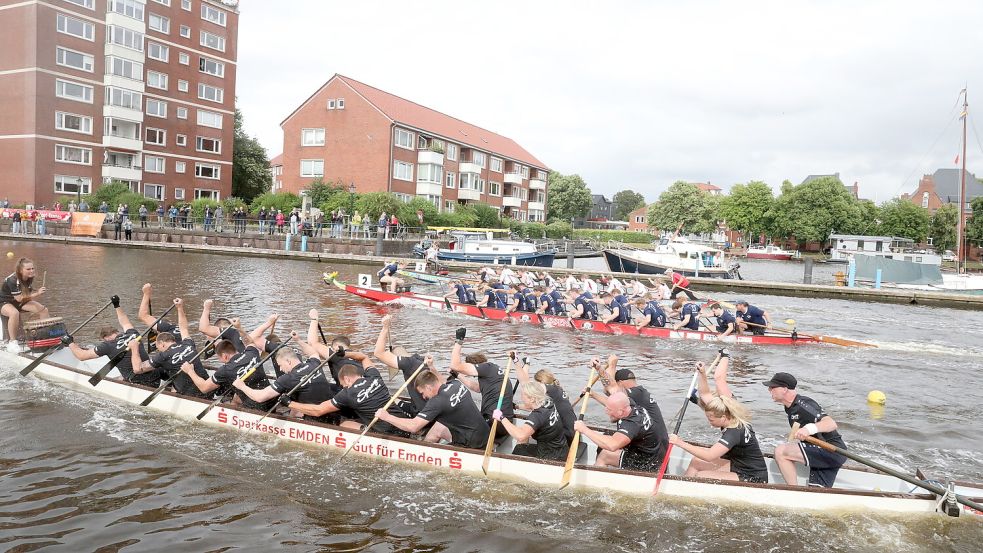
(18, 306)
(636, 460)
(756, 330)
(823, 465)
(754, 477)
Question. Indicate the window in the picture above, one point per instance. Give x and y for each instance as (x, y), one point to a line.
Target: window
(124, 37)
(478, 158)
(214, 42)
(215, 15)
(154, 191)
(449, 180)
(204, 193)
(73, 154)
(179, 166)
(541, 175)
(210, 66)
(73, 59)
(75, 27)
(186, 5)
(925, 199)
(123, 98)
(178, 193)
(207, 171)
(73, 91)
(164, 2)
(122, 67)
(404, 139)
(341, 103)
(185, 31)
(421, 142)
(182, 113)
(157, 52)
(156, 108)
(157, 80)
(496, 165)
(210, 93)
(470, 181)
(84, 3)
(156, 136)
(158, 23)
(209, 119)
(452, 152)
(182, 85)
(183, 59)
(65, 184)
(181, 140)
(153, 164)
(312, 137)
(402, 170)
(210, 145)
(494, 188)
(427, 172)
(312, 167)
(449, 206)
(73, 123)
(525, 172)
(129, 8)
(331, 103)
(437, 145)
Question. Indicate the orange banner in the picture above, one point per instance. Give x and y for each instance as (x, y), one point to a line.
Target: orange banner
(87, 224)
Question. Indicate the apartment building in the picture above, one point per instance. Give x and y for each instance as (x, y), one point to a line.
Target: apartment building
(95, 91)
(350, 132)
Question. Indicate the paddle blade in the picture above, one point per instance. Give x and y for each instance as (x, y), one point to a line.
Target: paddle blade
(845, 342)
(151, 397)
(37, 362)
(490, 446)
(110, 365)
(571, 458)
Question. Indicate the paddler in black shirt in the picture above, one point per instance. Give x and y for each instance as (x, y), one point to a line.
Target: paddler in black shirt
(623, 380)
(148, 319)
(400, 359)
(17, 295)
(543, 424)
(211, 330)
(555, 392)
(172, 352)
(489, 377)
(634, 444)
(115, 341)
(823, 465)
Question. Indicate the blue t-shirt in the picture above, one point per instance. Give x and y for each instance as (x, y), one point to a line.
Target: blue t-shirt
(693, 311)
(657, 317)
(590, 310)
(464, 293)
(724, 320)
(552, 307)
(388, 270)
(622, 299)
(530, 300)
(754, 315)
(493, 300)
(623, 313)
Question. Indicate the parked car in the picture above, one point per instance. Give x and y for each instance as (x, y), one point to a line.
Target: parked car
(949, 255)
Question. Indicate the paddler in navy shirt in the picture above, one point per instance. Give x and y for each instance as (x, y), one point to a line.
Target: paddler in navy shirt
(652, 314)
(726, 323)
(462, 293)
(689, 314)
(747, 313)
(619, 311)
(583, 305)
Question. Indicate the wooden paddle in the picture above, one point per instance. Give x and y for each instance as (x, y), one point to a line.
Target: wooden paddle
(38, 360)
(937, 490)
(818, 337)
(248, 373)
(115, 359)
(386, 407)
(587, 389)
(709, 300)
(494, 426)
(167, 382)
(575, 444)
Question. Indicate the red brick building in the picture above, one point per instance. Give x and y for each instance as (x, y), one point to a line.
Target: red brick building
(137, 91)
(350, 132)
(942, 187)
(638, 220)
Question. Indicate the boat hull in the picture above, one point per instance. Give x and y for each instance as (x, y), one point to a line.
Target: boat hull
(620, 263)
(770, 256)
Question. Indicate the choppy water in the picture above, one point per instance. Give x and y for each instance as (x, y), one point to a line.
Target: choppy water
(79, 473)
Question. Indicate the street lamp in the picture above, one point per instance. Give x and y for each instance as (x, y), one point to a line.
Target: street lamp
(78, 193)
(351, 197)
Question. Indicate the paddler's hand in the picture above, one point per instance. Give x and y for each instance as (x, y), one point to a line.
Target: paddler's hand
(239, 384)
(273, 318)
(313, 314)
(236, 323)
(208, 303)
(386, 321)
(701, 367)
(115, 300)
(133, 344)
(497, 415)
(178, 302)
(187, 368)
(294, 335)
(512, 354)
(675, 440)
(67, 339)
(381, 414)
(580, 426)
(147, 288)
(428, 361)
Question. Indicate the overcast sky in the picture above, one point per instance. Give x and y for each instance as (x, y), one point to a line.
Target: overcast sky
(636, 95)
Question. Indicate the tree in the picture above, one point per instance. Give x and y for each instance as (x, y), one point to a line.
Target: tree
(942, 227)
(686, 207)
(903, 218)
(373, 204)
(974, 225)
(319, 191)
(810, 212)
(567, 197)
(869, 222)
(250, 167)
(746, 208)
(284, 201)
(625, 202)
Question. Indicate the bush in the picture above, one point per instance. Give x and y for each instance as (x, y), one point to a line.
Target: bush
(628, 237)
(530, 230)
(134, 201)
(232, 203)
(559, 229)
(109, 193)
(407, 212)
(373, 204)
(198, 207)
(320, 192)
(284, 201)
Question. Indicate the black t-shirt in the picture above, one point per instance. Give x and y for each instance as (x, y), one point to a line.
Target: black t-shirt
(11, 287)
(548, 432)
(805, 410)
(164, 325)
(314, 391)
(454, 408)
(744, 454)
(169, 362)
(639, 428)
(366, 396)
(109, 348)
(562, 403)
(336, 363)
(490, 378)
(642, 398)
(409, 365)
(235, 368)
(268, 348)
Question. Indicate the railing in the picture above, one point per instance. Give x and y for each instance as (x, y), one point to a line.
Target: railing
(121, 166)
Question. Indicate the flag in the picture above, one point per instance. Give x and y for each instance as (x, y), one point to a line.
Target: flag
(957, 160)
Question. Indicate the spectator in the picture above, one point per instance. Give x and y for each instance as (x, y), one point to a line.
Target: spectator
(143, 216)
(17, 222)
(383, 227)
(262, 219)
(40, 224)
(280, 221)
(172, 215)
(318, 222)
(57, 206)
(118, 227)
(104, 207)
(128, 229)
(294, 220)
(219, 216)
(160, 215)
(84, 206)
(356, 222)
(394, 223)
(72, 208)
(208, 218)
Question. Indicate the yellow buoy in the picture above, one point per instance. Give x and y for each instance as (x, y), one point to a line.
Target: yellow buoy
(10, 255)
(876, 397)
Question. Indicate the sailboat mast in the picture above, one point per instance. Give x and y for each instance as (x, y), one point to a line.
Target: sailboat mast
(961, 253)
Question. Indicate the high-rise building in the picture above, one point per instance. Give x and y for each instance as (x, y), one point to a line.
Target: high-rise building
(95, 91)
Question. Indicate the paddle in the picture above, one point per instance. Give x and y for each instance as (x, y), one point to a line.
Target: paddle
(574, 445)
(303, 382)
(115, 359)
(586, 390)
(494, 426)
(167, 383)
(37, 361)
(937, 490)
(247, 374)
(386, 407)
(709, 300)
(679, 423)
(818, 337)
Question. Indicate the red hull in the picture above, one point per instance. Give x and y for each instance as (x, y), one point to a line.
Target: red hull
(771, 256)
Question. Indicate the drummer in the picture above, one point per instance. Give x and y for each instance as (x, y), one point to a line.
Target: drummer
(17, 295)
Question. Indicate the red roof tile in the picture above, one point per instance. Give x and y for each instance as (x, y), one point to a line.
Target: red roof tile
(706, 187)
(278, 160)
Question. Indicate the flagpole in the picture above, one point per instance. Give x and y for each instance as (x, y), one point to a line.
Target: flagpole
(961, 253)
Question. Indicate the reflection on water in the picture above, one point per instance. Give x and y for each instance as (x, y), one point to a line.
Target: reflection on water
(80, 473)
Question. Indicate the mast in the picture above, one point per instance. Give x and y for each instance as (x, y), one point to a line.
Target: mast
(961, 253)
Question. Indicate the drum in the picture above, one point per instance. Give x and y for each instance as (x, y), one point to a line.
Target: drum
(43, 334)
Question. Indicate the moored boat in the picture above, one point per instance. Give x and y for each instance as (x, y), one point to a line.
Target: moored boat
(770, 252)
(479, 247)
(676, 253)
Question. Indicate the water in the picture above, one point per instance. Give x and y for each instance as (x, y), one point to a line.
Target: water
(751, 269)
(80, 473)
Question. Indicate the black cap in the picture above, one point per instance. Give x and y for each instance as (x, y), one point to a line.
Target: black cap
(623, 374)
(782, 380)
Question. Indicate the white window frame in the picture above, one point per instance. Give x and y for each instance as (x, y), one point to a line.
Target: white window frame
(179, 193)
(186, 5)
(126, 68)
(340, 103)
(61, 56)
(496, 161)
(182, 85)
(127, 38)
(425, 172)
(154, 164)
(404, 136)
(216, 167)
(199, 140)
(312, 168)
(184, 58)
(62, 22)
(475, 155)
(72, 180)
(219, 93)
(164, 51)
(525, 172)
(331, 103)
(180, 167)
(87, 91)
(497, 186)
(219, 41)
(213, 14)
(181, 112)
(160, 78)
(450, 179)
(89, 4)
(164, 23)
(402, 170)
(162, 135)
(212, 194)
(207, 118)
(160, 189)
(312, 137)
(164, 2)
(184, 31)
(135, 98)
(180, 140)
(205, 61)
(161, 106)
(451, 152)
(129, 8)
(85, 157)
(60, 122)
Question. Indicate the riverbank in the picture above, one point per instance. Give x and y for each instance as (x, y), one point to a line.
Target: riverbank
(339, 252)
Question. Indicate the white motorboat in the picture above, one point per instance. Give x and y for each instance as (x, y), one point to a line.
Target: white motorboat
(676, 253)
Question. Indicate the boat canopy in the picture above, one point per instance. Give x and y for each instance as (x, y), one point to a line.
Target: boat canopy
(896, 270)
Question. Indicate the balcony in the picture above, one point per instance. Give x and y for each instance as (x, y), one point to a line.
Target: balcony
(120, 51)
(430, 158)
(120, 112)
(122, 172)
(123, 82)
(424, 188)
(537, 206)
(513, 178)
(122, 142)
(468, 167)
(536, 184)
(468, 194)
(511, 201)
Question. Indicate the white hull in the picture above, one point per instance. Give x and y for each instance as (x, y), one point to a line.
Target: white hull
(853, 493)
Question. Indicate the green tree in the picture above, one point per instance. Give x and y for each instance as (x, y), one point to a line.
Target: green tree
(487, 216)
(942, 227)
(374, 203)
(284, 201)
(903, 218)
(567, 197)
(319, 191)
(686, 207)
(974, 224)
(250, 167)
(746, 208)
(869, 220)
(109, 193)
(407, 212)
(810, 212)
(625, 202)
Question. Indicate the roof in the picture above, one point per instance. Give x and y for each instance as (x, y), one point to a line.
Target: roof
(706, 186)
(947, 185)
(599, 198)
(411, 114)
(811, 178)
(277, 160)
(865, 238)
(641, 211)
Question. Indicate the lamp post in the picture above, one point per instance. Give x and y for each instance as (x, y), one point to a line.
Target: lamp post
(78, 192)
(351, 197)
